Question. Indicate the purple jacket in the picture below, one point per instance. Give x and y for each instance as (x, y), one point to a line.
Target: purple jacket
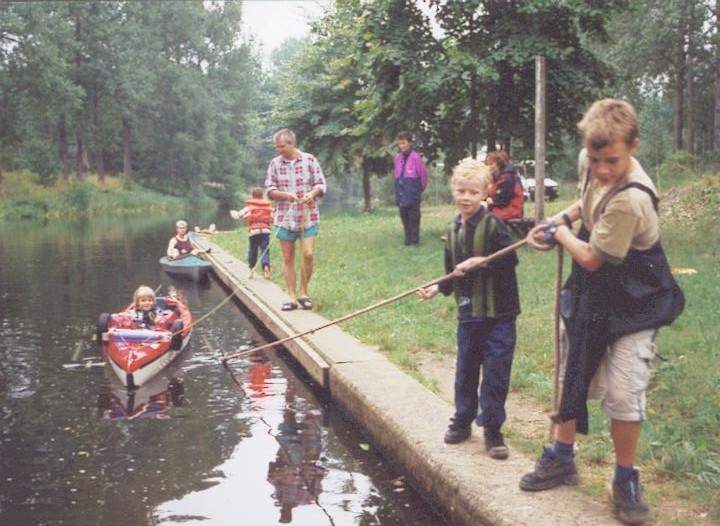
(411, 178)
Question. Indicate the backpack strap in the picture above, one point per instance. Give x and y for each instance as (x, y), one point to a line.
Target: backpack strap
(639, 186)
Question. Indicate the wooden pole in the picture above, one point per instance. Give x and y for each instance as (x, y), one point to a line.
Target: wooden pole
(539, 139)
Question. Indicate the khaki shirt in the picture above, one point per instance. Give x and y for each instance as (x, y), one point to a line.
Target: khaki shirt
(618, 221)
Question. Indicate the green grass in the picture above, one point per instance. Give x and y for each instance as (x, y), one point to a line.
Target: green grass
(360, 260)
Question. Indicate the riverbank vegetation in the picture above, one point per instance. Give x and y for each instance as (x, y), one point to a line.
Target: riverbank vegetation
(361, 260)
(23, 196)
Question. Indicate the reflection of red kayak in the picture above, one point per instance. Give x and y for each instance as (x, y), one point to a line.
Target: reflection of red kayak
(138, 354)
(152, 400)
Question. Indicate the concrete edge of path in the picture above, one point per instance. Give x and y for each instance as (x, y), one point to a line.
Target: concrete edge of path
(407, 421)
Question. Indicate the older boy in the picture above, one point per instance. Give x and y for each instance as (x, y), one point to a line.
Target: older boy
(622, 292)
(295, 180)
(488, 304)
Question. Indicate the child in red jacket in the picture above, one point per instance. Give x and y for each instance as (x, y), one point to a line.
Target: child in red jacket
(258, 214)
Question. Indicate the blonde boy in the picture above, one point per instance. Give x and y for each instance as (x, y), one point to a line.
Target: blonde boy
(621, 292)
(488, 304)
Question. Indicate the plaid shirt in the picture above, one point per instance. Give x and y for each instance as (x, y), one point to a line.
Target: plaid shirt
(298, 177)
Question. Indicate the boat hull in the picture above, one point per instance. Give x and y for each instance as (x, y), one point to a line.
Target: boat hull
(136, 363)
(190, 267)
(138, 354)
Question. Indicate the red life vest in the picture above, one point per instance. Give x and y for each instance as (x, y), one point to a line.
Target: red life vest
(260, 215)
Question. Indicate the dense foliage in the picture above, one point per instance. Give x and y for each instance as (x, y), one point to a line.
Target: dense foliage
(172, 94)
(163, 92)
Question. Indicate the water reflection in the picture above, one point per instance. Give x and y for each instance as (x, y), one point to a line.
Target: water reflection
(295, 473)
(152, 400)
(190, 447)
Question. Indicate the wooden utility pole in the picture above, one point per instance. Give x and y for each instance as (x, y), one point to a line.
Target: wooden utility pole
(539, 139)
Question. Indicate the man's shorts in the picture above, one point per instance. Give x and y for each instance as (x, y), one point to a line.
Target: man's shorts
(623, 376)
(283, 234)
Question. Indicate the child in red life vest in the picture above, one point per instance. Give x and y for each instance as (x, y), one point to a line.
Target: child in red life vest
(258, 214)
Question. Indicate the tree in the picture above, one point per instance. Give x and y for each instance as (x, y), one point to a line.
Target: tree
(167, 93)
(358, 84)
(487, 88)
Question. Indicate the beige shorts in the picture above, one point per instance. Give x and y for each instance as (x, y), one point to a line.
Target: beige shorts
(623, 376)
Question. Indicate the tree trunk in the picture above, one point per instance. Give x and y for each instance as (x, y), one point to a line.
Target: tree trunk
(100, 162)
(79, 165)
(99, 159)
(79, 169)
(716, 124)
(679, 109)
(679, 88)
(63, 148)
(127, 135)
(366, 185)
(474, 117)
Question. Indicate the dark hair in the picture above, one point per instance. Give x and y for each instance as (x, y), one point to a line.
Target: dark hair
(499, 157)
(405, 136)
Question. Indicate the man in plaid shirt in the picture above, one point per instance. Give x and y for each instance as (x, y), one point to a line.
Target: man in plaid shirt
(294, 180)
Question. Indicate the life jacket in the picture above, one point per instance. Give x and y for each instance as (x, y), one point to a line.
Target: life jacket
(260, 214)
(145, 319)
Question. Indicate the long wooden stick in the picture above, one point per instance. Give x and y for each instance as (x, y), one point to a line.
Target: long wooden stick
(492, 257)
(554, 417)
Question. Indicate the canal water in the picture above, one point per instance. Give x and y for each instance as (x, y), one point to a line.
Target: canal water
(199, 445)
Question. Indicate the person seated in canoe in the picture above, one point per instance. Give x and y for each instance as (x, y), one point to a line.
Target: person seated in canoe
(180, 245)
(146, 311)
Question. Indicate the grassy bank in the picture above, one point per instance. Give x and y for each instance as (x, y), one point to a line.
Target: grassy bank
(361, 260)
(23, 197)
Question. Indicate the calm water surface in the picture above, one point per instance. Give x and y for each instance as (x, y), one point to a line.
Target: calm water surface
(198, 445)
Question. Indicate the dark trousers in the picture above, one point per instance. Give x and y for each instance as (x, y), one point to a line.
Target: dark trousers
(410, 217)
(488, 344)
(259, 242)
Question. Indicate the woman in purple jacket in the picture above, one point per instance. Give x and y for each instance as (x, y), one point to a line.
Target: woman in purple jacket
(411, 178)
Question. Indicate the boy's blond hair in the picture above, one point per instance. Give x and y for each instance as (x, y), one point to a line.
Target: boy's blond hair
(606, 121)
(472, 169)
(256, 193)
(143, 291)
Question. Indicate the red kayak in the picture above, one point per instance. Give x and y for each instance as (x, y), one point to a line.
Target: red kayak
(137, 354)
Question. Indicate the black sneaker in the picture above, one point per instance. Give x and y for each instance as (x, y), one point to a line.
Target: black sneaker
(550, 472)
(629, 500)
(456, 433)
(495, 445)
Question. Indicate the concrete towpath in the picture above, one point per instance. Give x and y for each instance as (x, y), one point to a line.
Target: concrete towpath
(406, 420)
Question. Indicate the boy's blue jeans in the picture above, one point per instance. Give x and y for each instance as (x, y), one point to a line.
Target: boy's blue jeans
(259, 243)
(489, 344)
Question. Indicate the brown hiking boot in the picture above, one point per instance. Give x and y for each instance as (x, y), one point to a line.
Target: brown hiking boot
(495, 445)
(629, 500)
(549, 472)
